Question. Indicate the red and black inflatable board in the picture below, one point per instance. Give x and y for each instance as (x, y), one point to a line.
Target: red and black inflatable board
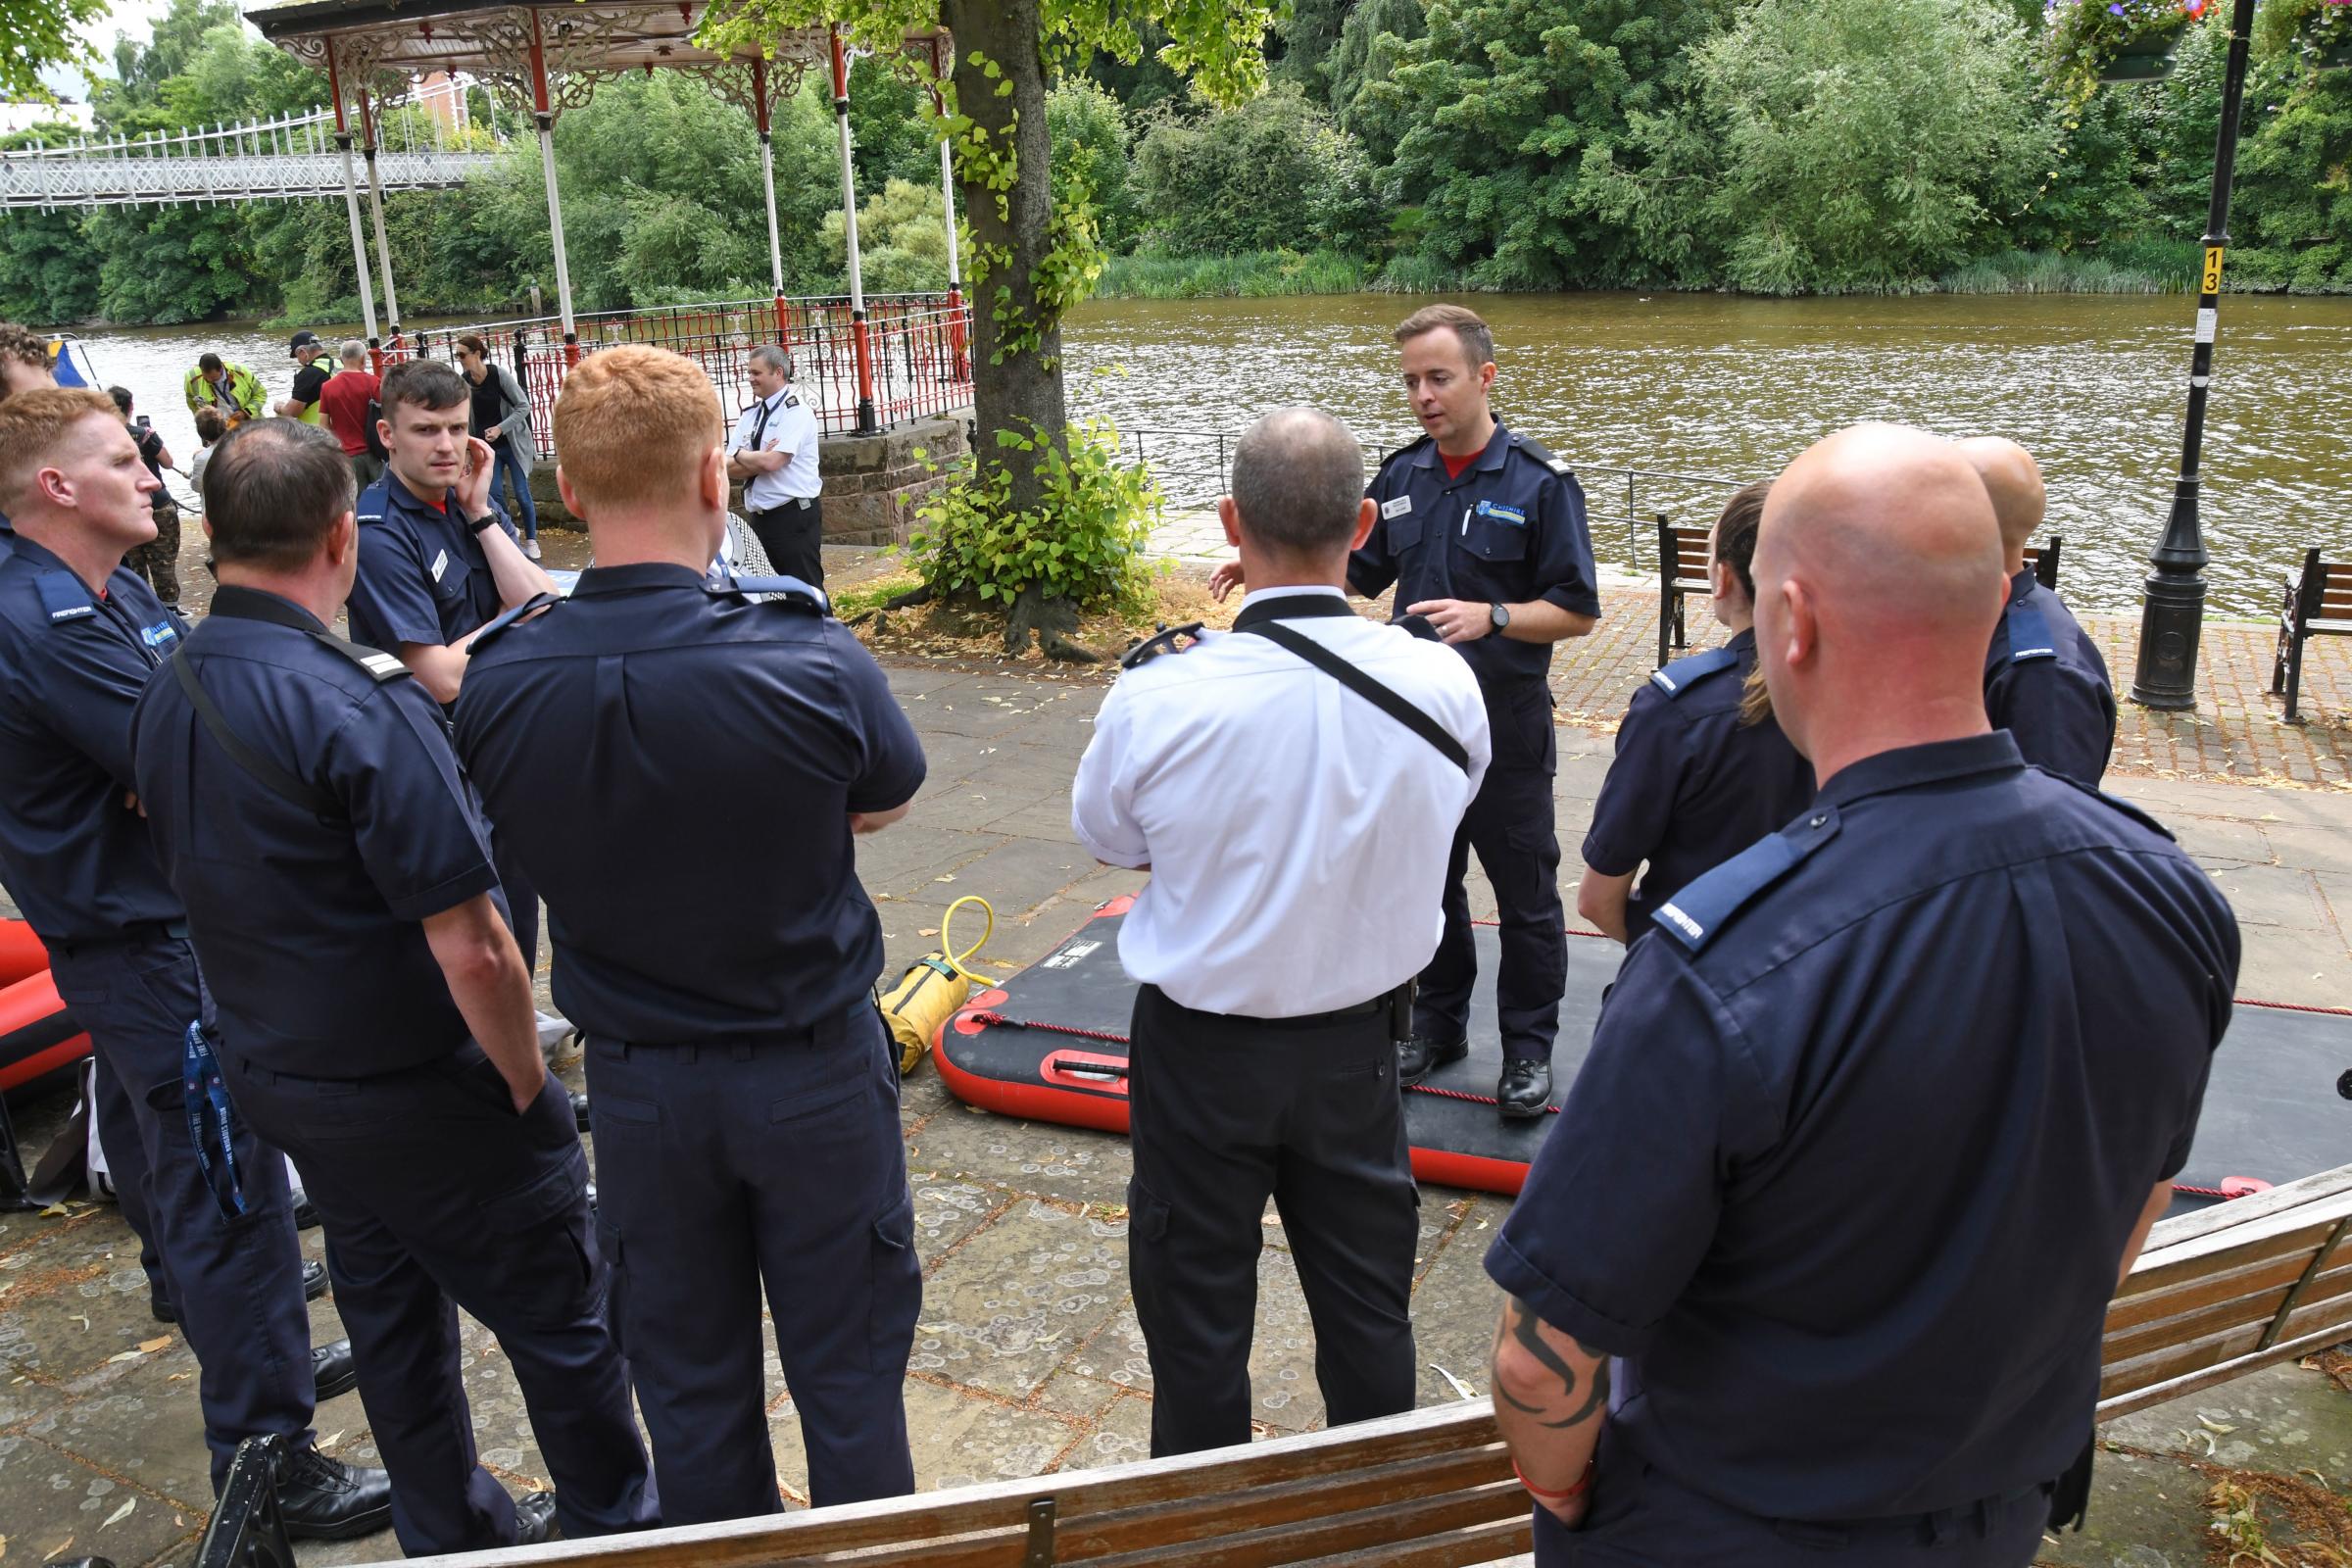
(1049, 1044)
(38, 1036)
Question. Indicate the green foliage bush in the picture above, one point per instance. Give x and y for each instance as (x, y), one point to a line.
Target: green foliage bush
(1092, 146)
(1084, 542)
(1277, 174)
(1254, 274)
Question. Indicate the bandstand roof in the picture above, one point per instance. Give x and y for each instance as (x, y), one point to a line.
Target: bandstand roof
(492, 40)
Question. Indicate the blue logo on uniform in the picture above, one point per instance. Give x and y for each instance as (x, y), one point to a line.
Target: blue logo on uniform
(1513, 515)
(162, 632)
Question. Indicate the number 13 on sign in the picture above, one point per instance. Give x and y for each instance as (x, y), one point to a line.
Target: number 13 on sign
(2213, 271)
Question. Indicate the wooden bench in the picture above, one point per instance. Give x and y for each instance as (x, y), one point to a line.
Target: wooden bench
(2214, 1295)
(2317, 604)
(1682, 556)
(2043, 559)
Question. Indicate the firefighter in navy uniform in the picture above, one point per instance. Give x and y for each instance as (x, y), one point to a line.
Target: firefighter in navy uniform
(744, 1098)
(438, 560)
(1702, 769)
(2045, 680)
(1866, 1087)
(1482, 533)
(81, 636)
(305, 801)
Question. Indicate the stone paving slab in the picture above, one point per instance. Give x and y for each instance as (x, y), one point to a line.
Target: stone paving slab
(1020, 1225)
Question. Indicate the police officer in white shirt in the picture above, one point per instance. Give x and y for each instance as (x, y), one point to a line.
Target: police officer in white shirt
(1294, 787)
(775, 453)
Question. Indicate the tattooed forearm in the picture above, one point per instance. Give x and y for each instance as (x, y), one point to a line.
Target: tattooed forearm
(1550, 1384)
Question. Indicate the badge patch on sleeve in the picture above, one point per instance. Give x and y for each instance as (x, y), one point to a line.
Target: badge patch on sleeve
(1396, 507)
(1513, 515)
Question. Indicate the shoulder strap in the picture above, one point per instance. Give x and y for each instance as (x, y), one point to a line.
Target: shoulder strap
(383, 666)
(2028, 634)
(266, 773)
(64, 596)
(1693, 916)
(790, 590)
(1365, 686)
(497, 625)
(1680, 675)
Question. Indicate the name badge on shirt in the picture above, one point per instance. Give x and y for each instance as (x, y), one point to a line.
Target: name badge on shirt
(440, 565)
(155, 636)
(1396, 507)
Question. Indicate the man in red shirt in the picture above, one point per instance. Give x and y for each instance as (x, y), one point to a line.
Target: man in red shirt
(344, 401)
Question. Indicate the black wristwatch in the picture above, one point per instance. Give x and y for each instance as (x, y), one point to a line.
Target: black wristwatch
(1501, 615)
(476, 526)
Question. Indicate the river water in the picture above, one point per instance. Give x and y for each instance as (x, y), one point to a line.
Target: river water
(1722, 386)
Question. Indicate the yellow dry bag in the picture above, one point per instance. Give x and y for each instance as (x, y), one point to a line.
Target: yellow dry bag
(928, 994)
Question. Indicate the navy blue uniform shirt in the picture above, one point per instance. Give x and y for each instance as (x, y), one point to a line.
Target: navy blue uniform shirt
(676, 766)
(310, 928)
(1691, 786)
(1866, 1123)
(422, 577)
(2045, 683)
(78, 860)
(1510, 531)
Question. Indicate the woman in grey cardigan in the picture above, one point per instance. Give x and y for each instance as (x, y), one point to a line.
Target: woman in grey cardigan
(502, 416)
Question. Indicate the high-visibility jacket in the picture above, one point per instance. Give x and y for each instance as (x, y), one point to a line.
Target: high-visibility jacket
(310, 411)
(241, 396)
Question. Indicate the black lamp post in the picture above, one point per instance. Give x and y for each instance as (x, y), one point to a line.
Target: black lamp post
(2172, 615)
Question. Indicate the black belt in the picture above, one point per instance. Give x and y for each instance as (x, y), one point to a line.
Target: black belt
(1309, 1020)
(797, 503)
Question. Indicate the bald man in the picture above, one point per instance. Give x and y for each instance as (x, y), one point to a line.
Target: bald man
(2044, 681)
(1815, 1263)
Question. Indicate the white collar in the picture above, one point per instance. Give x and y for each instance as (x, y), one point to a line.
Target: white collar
(1295, 591)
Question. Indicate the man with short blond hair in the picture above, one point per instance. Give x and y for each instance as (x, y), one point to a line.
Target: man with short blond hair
(81, 636)
(741, 1094)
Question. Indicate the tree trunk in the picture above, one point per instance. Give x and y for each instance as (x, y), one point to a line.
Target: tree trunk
(1015, 385)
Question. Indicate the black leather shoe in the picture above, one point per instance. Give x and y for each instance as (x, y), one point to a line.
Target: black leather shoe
(534, 1518)
(1418, 1057)
(79, 1562)
(332, 1370)
(579, 1109)
(306, 1212)
(1524, 1090)
(314, 1286)
(326, 1499)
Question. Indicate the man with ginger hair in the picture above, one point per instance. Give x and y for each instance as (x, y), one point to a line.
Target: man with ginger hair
(1870, 1089)
(2044, 681)
(744, 1098)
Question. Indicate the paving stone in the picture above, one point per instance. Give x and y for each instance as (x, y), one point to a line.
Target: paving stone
(1072, 1165)
(1015, 1301)
(946, 1213)
(958, 1438)
(2144, 1513)
(117, 1421)
(2273, 894)
(1454, 1305)
(1121, 1435)
(56, 1505)
(2282, 1418)
(90, 1310)
(2309, 969)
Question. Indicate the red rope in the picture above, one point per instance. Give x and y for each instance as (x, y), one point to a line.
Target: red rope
(1050, 1028)
(2295, 1006)
(1476, 1100)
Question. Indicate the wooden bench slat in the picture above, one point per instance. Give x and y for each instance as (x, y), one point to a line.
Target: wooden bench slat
(1459, 1548)
(2266, 1237)
(2271, 1276)
(2322, 1187)
(2330, 1315)
(2189, 1382)
(1334, 1534)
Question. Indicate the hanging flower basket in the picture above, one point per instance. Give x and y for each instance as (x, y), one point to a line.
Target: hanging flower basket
(2142, 56)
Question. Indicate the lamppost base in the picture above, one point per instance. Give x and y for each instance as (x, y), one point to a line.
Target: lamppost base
(2170, 629)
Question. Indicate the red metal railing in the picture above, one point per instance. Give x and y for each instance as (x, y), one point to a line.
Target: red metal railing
(920, 345)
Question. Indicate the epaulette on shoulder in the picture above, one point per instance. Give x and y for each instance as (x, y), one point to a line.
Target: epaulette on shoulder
(1684, 673)
(369, 507)
(2109, 800)
(2028, 634)
(1163, 641)
(792, 591)
(497, 625)
(381, 665)
(1542, 454)
(65, 596)
(1405, 451)
(1695, 915)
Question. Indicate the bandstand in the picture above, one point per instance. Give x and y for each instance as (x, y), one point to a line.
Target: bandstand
(864, 364)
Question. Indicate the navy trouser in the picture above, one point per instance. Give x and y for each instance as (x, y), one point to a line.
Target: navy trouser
(724, 1169)
(1642, 1517)
(1510, 825)
(117, 1124)
(1224, 1112)
(236, 1280)
(436, 1195)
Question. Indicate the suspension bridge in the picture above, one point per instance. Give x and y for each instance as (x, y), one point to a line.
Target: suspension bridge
(289, 159)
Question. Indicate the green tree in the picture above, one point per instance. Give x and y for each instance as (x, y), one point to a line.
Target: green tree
(34, 37)
(902, 240)
(1505, 98)
(2294, 182)
(1853, 144)
(1376, 32)
(1308, 34)
(1092, 148)
(1274, 174)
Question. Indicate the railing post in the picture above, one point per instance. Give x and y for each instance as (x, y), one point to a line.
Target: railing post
(867, 425)
(351, 206)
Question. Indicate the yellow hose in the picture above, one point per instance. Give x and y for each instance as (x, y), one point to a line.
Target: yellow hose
(948, 943)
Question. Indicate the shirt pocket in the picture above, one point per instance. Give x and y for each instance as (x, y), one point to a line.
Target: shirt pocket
(1492, 532)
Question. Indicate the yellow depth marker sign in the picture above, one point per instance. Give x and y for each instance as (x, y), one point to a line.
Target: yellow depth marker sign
(2213, 269)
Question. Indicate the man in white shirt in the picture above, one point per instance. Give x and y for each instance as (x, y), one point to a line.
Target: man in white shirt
(1297, 820)
(774, 451)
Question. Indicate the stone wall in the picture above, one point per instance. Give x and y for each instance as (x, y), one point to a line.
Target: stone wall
(872, 482)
